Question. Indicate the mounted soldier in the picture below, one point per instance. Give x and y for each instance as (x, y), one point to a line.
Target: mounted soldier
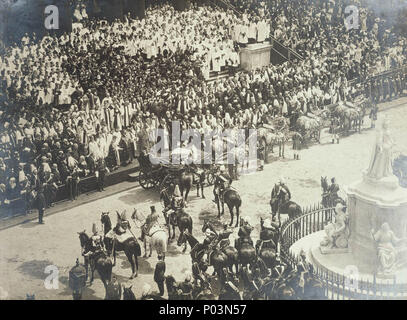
(223, 237)
(177, 203)
(222, 182)
(285, 194)
(122, 224)
(151, 220)
(279, 196)
(244, 232)
(268, 236)
(333, 192)
(97, 245)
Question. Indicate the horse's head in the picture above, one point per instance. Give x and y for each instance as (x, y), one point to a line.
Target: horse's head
(324, 183)
(128, 293)
(104, 218)
(182, 238)
(205, 225)
(83, 238)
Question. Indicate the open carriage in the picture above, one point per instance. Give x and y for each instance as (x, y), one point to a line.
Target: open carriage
(157, 175)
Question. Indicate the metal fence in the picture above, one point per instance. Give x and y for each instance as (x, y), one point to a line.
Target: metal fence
(336, 286)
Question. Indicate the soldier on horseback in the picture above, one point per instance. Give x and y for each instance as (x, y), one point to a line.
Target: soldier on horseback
(223, 237)
(222, 182)
(151, 220)
(267, 236)
(122, 224)
(244, 232)
(285, 194)
(97, 245)
(177, 203)
(333, 192)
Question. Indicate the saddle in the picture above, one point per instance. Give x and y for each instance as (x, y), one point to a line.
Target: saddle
(121, 238)
(269, 243)
(155, 228)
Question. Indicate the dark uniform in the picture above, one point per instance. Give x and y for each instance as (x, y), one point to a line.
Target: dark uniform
(114, 290)
(101, 173)
(297, 139)
(244, 236)
(159, 277)
(41, 203)
(186, 288)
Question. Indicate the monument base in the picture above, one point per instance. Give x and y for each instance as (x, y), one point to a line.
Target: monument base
(255, 56)
(344, 263)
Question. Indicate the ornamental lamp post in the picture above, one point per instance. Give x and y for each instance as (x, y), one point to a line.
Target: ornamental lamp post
(77, 280)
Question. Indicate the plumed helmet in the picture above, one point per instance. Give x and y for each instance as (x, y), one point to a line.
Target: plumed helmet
(94, 228)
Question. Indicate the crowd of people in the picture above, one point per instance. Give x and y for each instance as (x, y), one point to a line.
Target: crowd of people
(84, 103)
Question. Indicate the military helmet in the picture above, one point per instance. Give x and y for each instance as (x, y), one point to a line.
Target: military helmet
(94, 228)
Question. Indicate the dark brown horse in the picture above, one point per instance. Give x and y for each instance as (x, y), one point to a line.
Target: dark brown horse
(229, 251)
(184, 223)
(128, 293)
(131, 247)
(99, 262)
(186, 181)
(232, 199)
(267, 249)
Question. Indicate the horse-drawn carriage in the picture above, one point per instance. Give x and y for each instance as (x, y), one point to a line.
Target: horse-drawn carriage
(157, 175)
(310, 125)
(350, 114)
(274, 132)
(163, 175)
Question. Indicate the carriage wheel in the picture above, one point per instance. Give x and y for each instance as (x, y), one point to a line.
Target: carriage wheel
(146, 181)
(210, 177)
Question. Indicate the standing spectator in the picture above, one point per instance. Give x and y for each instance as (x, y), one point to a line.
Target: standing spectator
(100, 174)
(159, 274)
(40, 203)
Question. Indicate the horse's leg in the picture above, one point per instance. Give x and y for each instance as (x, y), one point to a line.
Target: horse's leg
(151, 247)
(130, 258)
(223, 208)
(136, 261)
(218, 206)
(114, 257)
(237, 216)
(187, 192)
(202, 189)
(230, 206)
(145, 246)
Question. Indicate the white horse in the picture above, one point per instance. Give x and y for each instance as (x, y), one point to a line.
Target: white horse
(156, 238)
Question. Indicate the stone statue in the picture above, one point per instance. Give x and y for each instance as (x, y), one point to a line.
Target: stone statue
(381, 161)
(337, 232)
(386, 243)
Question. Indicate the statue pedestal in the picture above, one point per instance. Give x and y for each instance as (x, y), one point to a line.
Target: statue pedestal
(370, 204)
(255, 56)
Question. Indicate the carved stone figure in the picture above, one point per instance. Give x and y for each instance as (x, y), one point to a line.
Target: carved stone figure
(337, 232)
(386, 243)
(381, 161)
